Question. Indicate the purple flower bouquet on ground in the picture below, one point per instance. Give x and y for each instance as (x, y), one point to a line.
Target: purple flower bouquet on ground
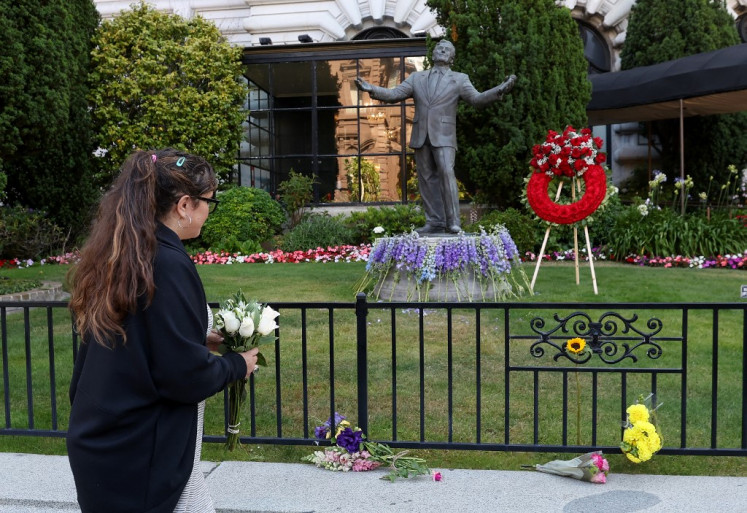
(350, 452)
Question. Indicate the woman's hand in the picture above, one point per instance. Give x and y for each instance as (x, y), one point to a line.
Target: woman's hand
(250, 357)
(214, 339)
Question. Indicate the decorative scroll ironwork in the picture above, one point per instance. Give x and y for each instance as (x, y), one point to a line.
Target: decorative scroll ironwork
(613, 337)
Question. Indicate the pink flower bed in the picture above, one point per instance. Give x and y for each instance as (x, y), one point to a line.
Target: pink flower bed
(719, 261)
(329, 254)
(568, 254)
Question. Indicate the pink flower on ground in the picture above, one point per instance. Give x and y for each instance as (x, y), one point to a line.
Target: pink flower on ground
(599, 478)
(436, 476)
(361, 465)
(605, 466)
(600, 462)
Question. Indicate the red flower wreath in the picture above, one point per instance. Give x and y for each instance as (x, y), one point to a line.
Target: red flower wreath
(570, 154)
(596, 189)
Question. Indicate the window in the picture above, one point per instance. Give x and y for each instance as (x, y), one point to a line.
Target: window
(307, 115)
(596, 50)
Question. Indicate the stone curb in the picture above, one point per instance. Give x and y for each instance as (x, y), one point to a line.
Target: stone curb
(49, 291)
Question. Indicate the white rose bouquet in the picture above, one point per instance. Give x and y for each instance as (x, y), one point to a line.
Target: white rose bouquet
(244, 324)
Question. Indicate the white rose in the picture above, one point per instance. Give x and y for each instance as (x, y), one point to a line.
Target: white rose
(247, 327)
(267, 322)
(230, 321)
(269, 313)
(378, 229)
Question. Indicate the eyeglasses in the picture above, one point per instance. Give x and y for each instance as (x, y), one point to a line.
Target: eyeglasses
(212, 203)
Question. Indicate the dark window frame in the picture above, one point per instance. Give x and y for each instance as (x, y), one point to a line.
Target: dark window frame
(364, 49)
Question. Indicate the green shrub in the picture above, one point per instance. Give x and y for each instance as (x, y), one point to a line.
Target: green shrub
(296, 192)
(369, 180)
(665, 233)
(395, 220)
(319, 230)
(245, 218)
(26, 233)
(522, 227)
(12, 285)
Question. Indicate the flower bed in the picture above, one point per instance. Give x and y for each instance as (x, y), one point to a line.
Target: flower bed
(699, 262)
(329, 254)
(568, 254)
(361, 254)
(14, 263)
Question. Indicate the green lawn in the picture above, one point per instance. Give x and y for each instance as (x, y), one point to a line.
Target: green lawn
(334, 282)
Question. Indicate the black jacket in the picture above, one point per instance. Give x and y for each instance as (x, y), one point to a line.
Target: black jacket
(133, 421)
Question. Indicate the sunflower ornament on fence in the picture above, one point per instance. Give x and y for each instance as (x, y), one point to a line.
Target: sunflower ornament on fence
(575, 158)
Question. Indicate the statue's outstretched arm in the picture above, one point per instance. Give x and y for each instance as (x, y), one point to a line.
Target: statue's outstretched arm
(471, 96)
(396, 94)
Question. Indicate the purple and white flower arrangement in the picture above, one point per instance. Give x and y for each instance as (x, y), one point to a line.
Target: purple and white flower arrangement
(490, 258)
(351, 452)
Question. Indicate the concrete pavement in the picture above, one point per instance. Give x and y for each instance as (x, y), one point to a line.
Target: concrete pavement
(32, 483)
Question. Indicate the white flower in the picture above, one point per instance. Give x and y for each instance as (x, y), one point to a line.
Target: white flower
(230, 321)
(268, 312)
(267, 322)
(378, 229)
(247, 327)
(643, 209)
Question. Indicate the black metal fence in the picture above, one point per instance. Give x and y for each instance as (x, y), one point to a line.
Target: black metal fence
(488, 376)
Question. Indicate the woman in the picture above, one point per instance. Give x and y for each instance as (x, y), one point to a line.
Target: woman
(143, 368)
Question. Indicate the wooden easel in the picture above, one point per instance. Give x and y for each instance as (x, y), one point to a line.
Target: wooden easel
(575, 243)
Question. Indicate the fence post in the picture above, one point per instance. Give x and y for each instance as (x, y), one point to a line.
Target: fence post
(361, 314)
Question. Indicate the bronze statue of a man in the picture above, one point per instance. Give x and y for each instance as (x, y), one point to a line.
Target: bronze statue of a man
(437, 92)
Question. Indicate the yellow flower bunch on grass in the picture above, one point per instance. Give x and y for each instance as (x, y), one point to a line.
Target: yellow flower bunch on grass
(640, 440)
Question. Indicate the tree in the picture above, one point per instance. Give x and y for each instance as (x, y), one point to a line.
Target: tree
(45, 127)
(662, 30)
(538, 42)
(162, 81)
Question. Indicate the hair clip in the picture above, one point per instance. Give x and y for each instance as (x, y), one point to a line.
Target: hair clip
(180, 162)
(154, 157)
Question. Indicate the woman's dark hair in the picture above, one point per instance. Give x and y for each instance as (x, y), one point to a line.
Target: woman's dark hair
(116, 264)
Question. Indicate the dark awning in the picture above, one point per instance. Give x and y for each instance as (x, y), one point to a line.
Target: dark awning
(707, 83)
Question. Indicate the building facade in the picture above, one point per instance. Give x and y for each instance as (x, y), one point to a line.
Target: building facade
(306, 114)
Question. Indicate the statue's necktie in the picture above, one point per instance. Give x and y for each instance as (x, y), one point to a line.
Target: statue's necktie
(433, 80)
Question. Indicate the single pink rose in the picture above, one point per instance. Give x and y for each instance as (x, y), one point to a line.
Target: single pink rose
(437, 476)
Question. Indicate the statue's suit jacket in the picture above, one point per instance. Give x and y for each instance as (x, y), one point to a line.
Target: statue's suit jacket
(435, 114)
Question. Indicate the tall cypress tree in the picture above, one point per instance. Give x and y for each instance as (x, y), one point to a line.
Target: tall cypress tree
(662, 30)
(45, 127)
(537, 41)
